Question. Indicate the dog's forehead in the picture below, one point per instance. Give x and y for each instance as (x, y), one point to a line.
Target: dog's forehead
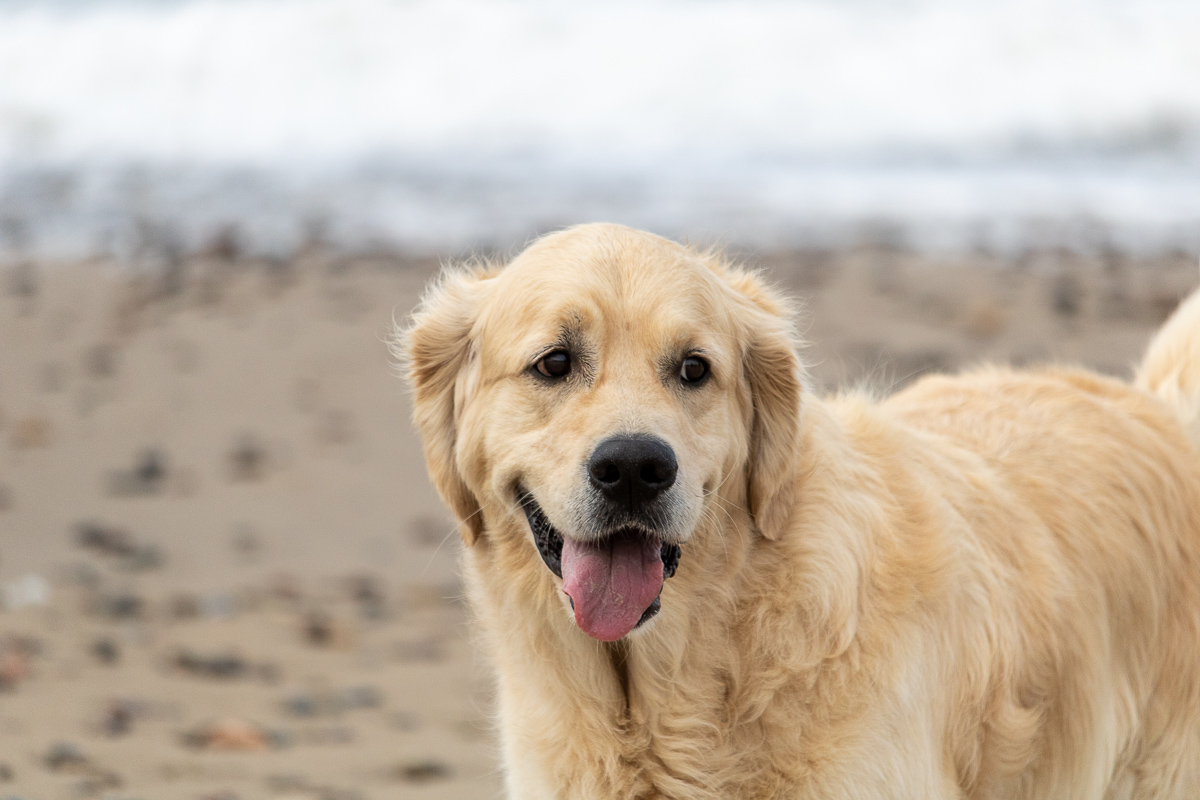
(611, 277)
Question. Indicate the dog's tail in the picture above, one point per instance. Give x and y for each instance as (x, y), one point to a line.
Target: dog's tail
(1171, 366)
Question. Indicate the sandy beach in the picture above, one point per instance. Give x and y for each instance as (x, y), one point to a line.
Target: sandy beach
(224, 573)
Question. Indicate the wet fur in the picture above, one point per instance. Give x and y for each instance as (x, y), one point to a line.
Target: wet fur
(985, 586)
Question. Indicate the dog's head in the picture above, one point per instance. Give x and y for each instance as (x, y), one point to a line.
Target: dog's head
(609, 387)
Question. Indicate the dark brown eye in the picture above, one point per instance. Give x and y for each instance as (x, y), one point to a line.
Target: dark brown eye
(693, 369)
(555, 365)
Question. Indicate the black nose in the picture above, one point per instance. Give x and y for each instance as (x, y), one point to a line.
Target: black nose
(632, 469)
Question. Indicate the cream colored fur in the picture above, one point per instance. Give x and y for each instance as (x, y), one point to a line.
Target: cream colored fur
(985, 586)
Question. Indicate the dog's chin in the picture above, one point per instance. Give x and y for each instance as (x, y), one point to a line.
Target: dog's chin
(614, 582)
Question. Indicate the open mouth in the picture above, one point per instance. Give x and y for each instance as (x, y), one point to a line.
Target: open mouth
(615, 583)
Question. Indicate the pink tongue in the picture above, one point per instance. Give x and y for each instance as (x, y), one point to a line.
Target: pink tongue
(611, 584)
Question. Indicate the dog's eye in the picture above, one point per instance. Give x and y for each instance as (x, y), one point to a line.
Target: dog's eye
(693, 369)
(555, 365)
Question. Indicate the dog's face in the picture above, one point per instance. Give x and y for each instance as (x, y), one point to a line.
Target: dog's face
(610, 387)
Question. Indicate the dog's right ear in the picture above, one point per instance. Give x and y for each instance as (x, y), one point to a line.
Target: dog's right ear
(435, 350)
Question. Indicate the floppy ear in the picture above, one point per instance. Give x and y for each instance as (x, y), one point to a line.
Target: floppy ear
(776, 375)
(436, 349)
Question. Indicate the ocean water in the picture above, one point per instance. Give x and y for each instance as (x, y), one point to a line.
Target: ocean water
(461, 124)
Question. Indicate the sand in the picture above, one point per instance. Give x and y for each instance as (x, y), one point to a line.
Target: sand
(225, 575)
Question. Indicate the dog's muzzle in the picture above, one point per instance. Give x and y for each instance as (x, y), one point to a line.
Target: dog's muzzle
(632, 545)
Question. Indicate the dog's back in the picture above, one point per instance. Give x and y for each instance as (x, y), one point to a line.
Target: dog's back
(1171, 368)
(1106, 593)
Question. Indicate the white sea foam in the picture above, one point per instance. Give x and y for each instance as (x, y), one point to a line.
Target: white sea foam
(437, 124)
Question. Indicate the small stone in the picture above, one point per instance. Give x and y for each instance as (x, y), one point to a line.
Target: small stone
(321, 630)
(151, 468)
(30, 432)
(223, 666)
(14, 668)
(106, 651)
(423, 772)
(6, 773)
(66, 757)
(184, 606)
(248, 459)
(118, 718)
(100, 361)
(217, 605)
(121, 606)
(247, 543)
(368, 594)
(354, 698)
(302, 704)
(143, 558)
(147, 476)
(231, 735)
(103, 539)
(26, 592)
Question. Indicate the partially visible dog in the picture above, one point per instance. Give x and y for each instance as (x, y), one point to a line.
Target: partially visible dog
(698, 580)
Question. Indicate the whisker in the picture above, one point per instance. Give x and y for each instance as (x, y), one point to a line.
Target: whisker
(447, 538)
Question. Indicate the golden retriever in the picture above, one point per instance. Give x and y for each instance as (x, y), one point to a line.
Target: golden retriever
(696, 579)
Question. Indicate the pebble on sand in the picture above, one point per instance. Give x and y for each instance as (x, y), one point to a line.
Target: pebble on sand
(426, 771)
(106, 650)
(234, 735)
(217, 665)
(148, 475)
(117, 543)
(31, 432)
(320, 629)
(248, 460)
(118, 717)
(29, 591)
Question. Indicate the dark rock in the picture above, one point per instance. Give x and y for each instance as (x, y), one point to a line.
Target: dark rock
(118, 718)
(106, 651)
(104, 539)
(221, 666)
(248, 459)
(100, 360)
(147, 476)
(423, 771)
(121, 606)
(66, 757)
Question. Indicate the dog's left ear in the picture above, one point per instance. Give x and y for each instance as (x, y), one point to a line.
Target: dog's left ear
(776, 376)
(437, 350)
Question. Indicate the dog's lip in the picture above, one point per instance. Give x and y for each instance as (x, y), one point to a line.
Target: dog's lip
(549, 544)
(547, 538)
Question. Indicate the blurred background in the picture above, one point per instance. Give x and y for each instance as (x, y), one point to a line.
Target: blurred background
(223, 574)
